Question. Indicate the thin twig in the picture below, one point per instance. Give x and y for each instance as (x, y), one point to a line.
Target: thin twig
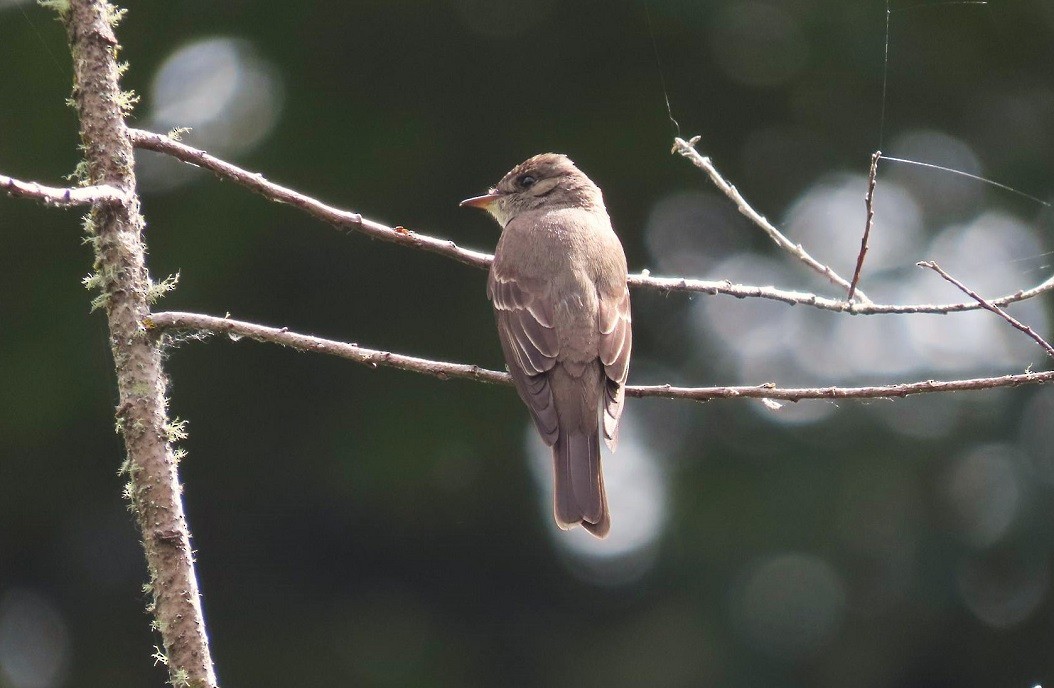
(687, 149)
(798, 298)
(869, 204)
(304, 342)
(349, 220)
(154, 489)
(62, 197)
(160, 322)
(342, 219)
(988, 305)
(902, 389)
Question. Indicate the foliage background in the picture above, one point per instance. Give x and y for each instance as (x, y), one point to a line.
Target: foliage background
(381, 528)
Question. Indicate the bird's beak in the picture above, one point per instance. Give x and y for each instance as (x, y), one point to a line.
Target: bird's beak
(482, 202)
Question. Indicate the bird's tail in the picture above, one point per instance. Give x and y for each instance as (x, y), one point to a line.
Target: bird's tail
(579, 482)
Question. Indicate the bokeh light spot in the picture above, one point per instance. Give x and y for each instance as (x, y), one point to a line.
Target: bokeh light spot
(1003, 591)
(34, 641)
(983, 492)
(791, 605)
(637, 496)
(688, 232)
(219, 87)
(939, 194)
(758, 44)
(1036, 436)
(828, 218)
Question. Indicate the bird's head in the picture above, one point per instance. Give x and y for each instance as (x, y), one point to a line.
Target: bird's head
(549, 181)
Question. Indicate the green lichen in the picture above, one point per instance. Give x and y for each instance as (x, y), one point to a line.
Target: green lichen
(87, 223)
(126, 468)
(100, 302)
(113, 14)
(156, 290)
(79, 175)
(176, 430)
(126, 101)
(159, 656)
(93, 281)
(62, 7)
(101, 280)
(180, 678)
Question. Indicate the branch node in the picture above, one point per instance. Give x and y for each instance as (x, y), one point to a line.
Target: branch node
(687, 149)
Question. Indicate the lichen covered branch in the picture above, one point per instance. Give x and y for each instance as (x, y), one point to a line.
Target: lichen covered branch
(116, 231)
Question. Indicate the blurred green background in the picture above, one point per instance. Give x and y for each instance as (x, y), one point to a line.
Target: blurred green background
(378, 528)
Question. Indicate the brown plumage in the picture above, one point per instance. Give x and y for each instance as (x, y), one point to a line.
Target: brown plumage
(558, 286)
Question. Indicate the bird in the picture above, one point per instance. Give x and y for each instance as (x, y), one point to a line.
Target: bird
(562, 306)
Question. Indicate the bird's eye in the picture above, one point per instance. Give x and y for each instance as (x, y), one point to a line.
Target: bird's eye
(525, 181)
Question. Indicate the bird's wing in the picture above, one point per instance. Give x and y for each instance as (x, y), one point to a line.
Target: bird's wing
(528, 339)
(616, 339)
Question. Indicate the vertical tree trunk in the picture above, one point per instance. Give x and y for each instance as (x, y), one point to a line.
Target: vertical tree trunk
(116, 232)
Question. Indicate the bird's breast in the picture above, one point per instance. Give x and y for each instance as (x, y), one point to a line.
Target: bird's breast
(563, 252)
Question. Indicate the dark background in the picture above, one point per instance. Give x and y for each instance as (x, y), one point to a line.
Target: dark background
(379, 528)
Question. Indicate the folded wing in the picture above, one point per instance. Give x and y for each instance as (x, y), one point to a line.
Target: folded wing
(528, 339)
(616, 339)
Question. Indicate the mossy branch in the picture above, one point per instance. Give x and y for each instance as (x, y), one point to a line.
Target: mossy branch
(114, 230)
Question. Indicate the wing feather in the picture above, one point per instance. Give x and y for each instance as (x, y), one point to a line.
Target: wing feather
(616, 341)
(529, 343)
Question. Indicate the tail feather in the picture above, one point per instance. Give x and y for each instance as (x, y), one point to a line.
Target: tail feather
(600, 527)
(614, 399)
(579, 482)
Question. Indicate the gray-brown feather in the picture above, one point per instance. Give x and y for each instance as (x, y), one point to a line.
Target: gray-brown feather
(558, 285)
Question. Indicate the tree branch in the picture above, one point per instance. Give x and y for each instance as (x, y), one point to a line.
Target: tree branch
(120, 266)
(687, 149)
(116, 228)
(161, 322)
(987, 305)
(62, 197)
(900, 389)
(400, 235)
(341, 219)
(869, 208)
(795, 298)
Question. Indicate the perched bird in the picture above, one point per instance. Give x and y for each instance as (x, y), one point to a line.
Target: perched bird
(558, 286)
